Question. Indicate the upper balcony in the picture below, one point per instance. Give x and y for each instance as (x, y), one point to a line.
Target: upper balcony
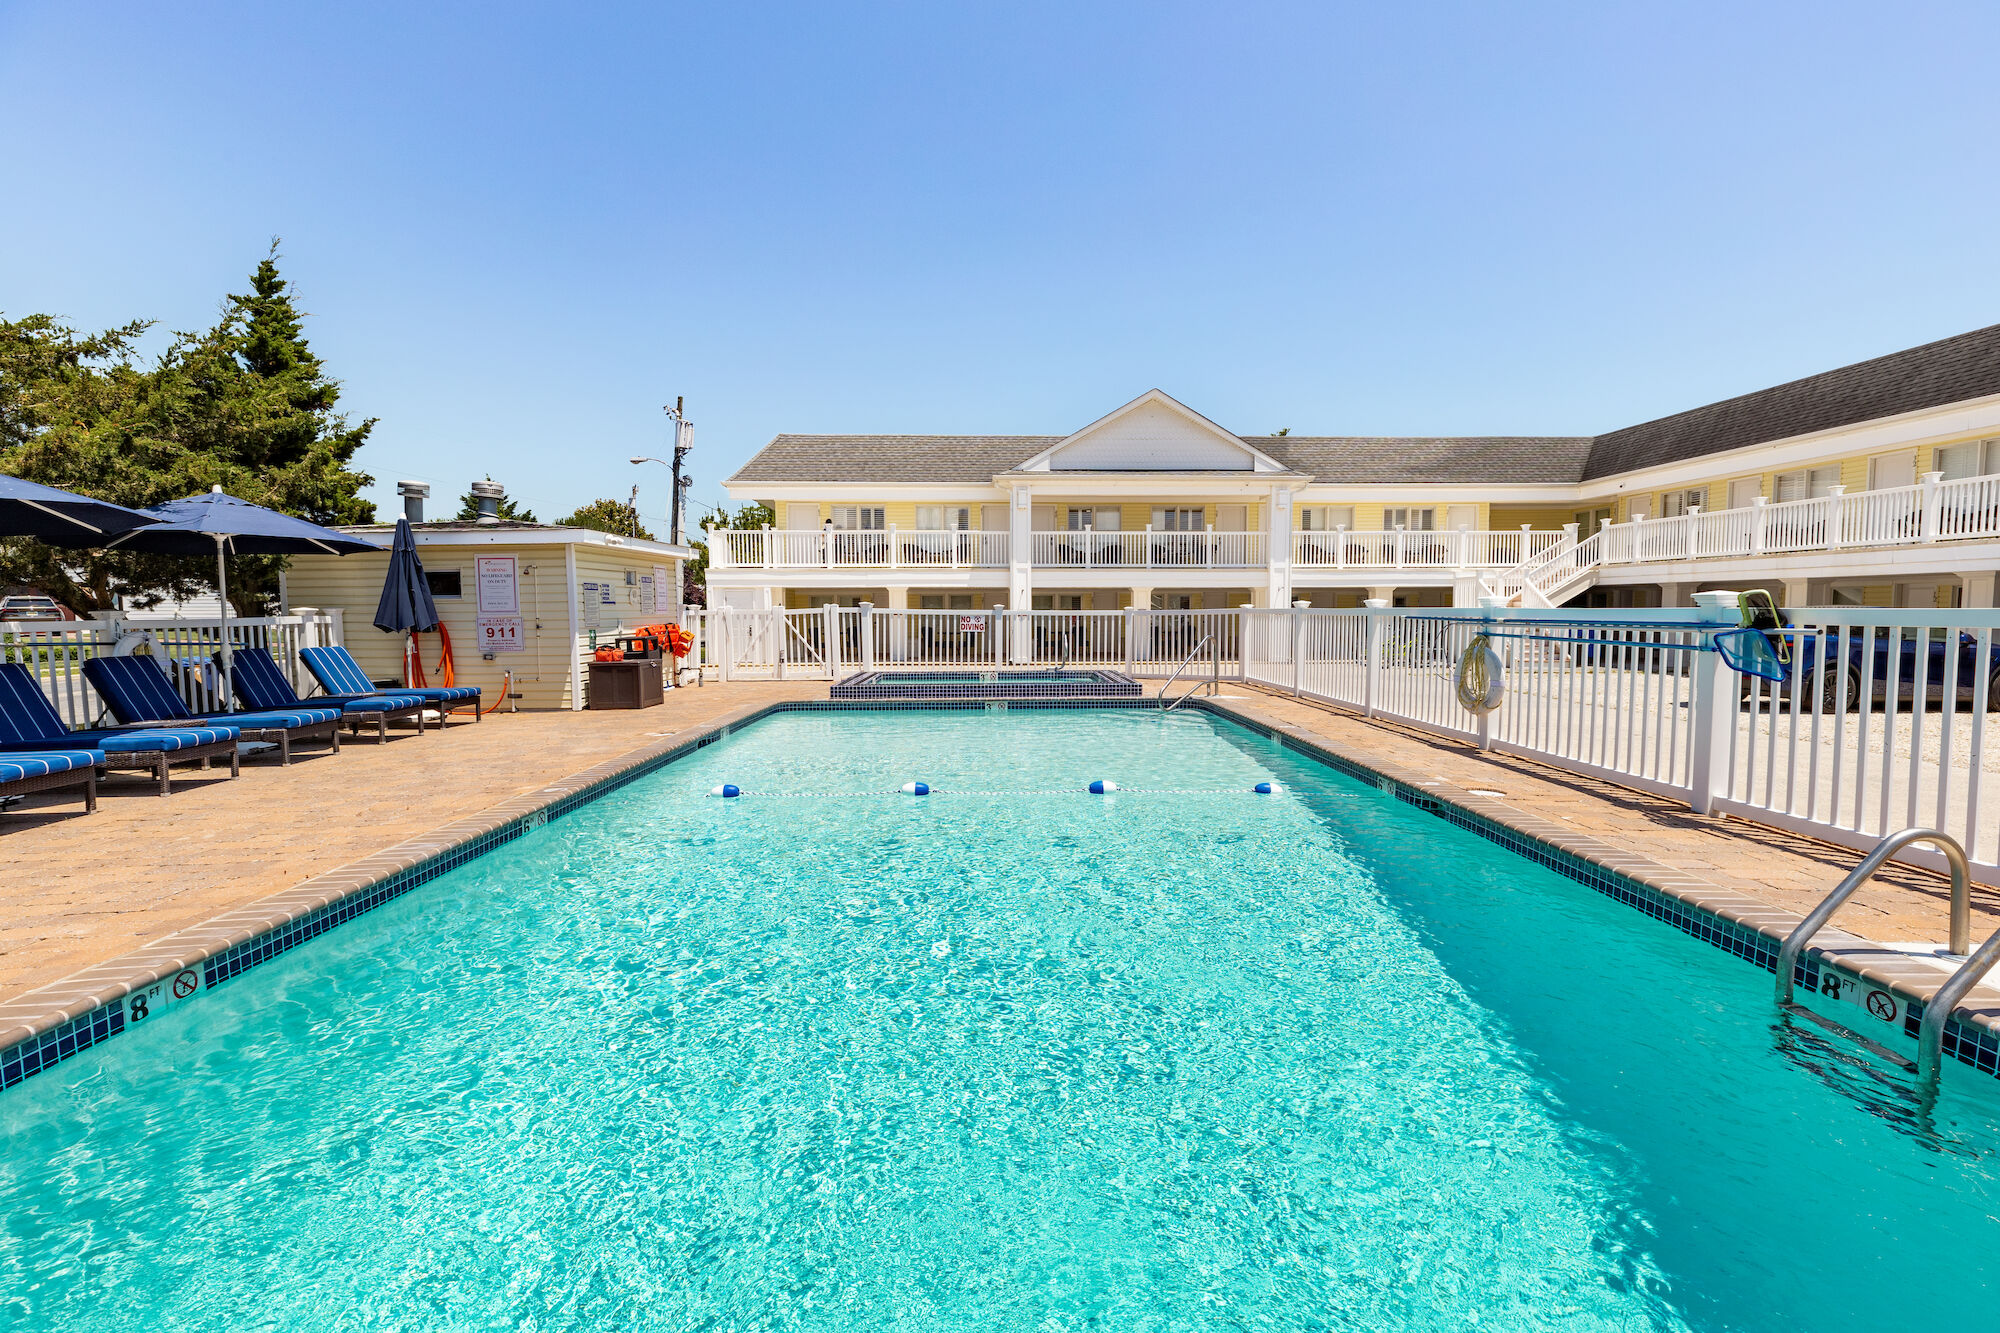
(1363, 552)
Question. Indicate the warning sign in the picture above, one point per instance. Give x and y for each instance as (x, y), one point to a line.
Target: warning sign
(186, 983)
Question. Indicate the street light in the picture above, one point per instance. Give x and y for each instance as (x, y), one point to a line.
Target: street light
(683, 443)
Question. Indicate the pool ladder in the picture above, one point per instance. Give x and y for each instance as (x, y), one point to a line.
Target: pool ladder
(1937, 1011)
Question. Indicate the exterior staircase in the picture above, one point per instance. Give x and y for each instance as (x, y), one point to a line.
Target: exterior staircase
(1551, 578)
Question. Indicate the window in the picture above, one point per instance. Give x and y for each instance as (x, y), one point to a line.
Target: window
(1079, 517)
(443, 582)
(1974, 458)
(1588, 521)
(1675, 503)
(861, 518)
(944, 518)
(1413, 520)
(1179, 520)
(1325, 518)
(1805, 484)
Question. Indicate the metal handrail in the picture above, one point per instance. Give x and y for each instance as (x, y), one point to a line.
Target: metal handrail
(1161, 697)
(1930, 1034)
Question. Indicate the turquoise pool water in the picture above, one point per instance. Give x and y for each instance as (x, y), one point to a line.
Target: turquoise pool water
(1055, 1062)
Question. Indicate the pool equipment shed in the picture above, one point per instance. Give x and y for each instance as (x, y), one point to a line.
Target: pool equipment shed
(534, 599)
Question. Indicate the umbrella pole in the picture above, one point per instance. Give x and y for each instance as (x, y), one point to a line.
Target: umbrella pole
(222, 597)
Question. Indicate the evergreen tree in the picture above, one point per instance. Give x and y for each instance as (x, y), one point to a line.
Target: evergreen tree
(244, 405)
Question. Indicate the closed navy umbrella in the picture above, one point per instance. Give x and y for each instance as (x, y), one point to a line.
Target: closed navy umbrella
(406, 597)
(229, 526)
(29, 509)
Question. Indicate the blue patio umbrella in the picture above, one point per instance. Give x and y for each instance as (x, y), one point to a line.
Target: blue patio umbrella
(406, 597)
(229, 526)
(29, 509)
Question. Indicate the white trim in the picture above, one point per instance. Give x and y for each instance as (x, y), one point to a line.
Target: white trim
(552, 535)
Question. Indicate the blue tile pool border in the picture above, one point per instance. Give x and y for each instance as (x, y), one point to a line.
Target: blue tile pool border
(64, 1034)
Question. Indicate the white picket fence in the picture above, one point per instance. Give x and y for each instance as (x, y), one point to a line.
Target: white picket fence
(54, 653)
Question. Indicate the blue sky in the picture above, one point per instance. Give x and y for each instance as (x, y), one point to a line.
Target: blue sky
(521, 229)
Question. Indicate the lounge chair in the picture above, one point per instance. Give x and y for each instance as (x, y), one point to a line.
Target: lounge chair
(340, 675)
(141, 695)
(260, 684)
(29, 722)
(47, 770)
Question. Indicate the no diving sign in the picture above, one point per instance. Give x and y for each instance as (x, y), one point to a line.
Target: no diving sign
(147, 1001)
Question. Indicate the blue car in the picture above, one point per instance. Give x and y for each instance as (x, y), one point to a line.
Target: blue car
(1858, 653)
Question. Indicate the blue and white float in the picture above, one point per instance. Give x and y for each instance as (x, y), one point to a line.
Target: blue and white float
(916, 789)
(727, 789)
(1269, 789)
(1099, 787)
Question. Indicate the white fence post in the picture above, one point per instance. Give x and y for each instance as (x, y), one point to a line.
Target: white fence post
(1929, 529)
(1298, 645)
(1712, 714)
(868, 636)
(997, 631)
(1131, 624)
(1371, 687)
(831, 615)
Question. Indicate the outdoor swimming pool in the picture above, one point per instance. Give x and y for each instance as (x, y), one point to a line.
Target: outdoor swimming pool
(848, 1058)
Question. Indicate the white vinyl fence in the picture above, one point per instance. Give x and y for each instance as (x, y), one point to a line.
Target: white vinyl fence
(54, 653)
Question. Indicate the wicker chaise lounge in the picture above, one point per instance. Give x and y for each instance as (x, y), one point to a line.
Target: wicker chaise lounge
(262, 685)
(140, 695)
(50, 770)
(342, 677)
(30, 723)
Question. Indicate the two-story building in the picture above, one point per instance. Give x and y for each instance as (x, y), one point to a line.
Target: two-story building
(1877, 483)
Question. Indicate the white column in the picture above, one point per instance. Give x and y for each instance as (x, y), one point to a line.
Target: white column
(1928, 530)
(868, 636)
(1797, 593)
(1978, 588)
(899, 623)
(1382, 596)
(1020, 572)
(1278, 545)
(1378, 621)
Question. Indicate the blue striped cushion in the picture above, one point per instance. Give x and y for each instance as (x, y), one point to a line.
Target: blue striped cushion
(336, 671)
(445, 694)
(157, 738)
(285, 719)
(259, 683)
(25, 712)
(136, 688)
(14, 767)
(380, 703)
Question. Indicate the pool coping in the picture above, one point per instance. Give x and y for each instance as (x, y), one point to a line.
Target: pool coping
(45, 1026)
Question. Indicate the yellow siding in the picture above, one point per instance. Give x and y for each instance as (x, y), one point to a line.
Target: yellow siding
(1502, 518)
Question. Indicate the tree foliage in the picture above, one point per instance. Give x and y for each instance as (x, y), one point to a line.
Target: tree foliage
(614, 516)
(244, 405)
(694, 572)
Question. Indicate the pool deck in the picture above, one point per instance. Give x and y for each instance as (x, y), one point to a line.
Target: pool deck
(99, 903)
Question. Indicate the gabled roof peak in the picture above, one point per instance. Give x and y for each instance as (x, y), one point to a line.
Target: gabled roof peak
(1155, 432)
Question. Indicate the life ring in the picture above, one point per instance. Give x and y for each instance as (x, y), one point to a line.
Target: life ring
(1480, 679)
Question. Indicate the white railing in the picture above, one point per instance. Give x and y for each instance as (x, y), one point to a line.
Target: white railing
(780, 548)
(1147, 549)
(54, 653)
(1400, 548)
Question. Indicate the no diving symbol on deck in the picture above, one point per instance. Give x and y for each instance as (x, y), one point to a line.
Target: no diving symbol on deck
(1882, 1005)
(185, 983)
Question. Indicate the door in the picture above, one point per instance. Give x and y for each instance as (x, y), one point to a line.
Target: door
(1744, 491)
(1886, 470)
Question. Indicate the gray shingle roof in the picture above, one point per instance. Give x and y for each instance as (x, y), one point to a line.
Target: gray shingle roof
(1947, 371)
(1383, 460)
(1950, 370)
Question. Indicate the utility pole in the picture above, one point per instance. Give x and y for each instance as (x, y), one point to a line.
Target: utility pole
(683, 445)
(632, 512)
